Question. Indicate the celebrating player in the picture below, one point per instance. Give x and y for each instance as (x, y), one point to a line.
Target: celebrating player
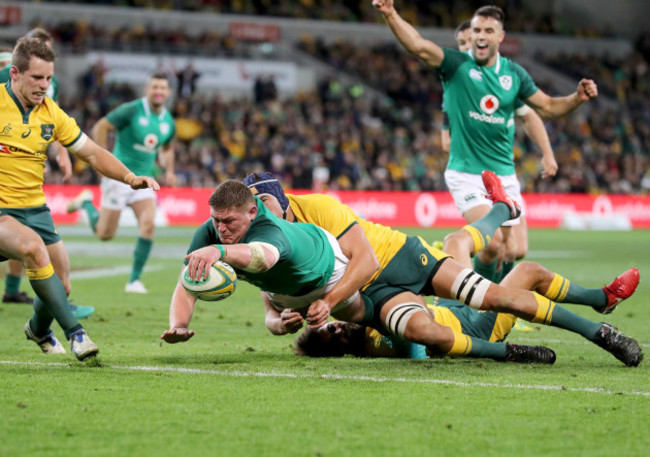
(517, 242)
(481, 93)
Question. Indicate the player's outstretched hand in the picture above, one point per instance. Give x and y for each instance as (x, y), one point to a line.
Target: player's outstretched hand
(291, 320)
(142, 182)
(317, 314)
(177, 335)
(587, 89)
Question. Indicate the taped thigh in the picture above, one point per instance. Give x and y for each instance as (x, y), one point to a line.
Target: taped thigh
(399, 316)
(470, 288)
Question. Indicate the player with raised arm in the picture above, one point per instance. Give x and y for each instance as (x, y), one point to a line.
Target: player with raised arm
(481, 92)
(517, 243)
(30, 122)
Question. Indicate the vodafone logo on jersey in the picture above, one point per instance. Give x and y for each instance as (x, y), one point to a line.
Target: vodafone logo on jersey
(489, 104)
(151, 141)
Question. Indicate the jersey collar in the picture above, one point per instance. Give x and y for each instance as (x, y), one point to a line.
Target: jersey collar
(148, 112)
(497, 65)
(24, 113)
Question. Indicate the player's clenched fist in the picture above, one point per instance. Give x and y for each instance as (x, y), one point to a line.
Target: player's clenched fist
(383, 6)
(587, 89)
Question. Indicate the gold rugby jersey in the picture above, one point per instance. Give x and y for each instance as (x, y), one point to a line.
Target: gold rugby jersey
(24, 138)
(337, 218)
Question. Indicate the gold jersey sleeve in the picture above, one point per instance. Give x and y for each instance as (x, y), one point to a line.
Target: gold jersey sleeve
(24, 138)
(336, 218)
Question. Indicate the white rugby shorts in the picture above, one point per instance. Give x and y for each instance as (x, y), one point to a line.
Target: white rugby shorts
(468, 191)
(118, 195)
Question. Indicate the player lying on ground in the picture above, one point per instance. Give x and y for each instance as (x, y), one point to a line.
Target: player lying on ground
(337, 338)
(409, 268)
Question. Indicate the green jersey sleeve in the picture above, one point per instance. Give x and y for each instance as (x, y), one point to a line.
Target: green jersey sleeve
(451, 62)
(121, 116)
(527, 87)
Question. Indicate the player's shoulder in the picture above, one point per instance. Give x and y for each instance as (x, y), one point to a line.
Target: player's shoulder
(131, 107)
(313, 199)
(512, 66)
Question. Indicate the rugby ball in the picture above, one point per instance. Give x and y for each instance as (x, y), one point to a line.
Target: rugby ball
(220, 283)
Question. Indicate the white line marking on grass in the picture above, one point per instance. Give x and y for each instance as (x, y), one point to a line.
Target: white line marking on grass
(258, 374)
(106, 272)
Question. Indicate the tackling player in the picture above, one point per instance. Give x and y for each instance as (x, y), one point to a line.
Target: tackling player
(411, 268)
(337, 338)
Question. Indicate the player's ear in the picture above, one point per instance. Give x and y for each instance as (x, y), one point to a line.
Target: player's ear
(503, 35)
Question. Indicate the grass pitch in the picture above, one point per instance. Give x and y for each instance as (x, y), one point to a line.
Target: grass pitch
(235, 389)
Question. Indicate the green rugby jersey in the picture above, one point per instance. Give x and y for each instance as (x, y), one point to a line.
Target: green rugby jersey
(306, 258)
(52, 91)
(480, 102)
(140, 134)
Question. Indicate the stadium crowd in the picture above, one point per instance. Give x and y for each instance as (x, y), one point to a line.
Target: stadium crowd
(421, 13)
(343, 138)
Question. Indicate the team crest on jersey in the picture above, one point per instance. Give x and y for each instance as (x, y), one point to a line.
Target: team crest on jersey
(151, 141)
(475, 74)
(6, 130)
(47, 130)
(164, 128)
(143, 121)
(506, 81)
(489, 104)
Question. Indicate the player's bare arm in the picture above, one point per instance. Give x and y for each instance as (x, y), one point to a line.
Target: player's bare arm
(425, 50)
(100, 132)
(63, 160)
(362, 266)
(106, 164)
(535, 129)
(180, 315)
(281, 322)
(167, 160)
(553, 107)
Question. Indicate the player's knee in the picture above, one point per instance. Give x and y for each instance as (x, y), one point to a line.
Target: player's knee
(33, 252)
(147, 230)
(521, 251)
(452, 240)
(496, 299)
(528, 269)
(104, 235)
